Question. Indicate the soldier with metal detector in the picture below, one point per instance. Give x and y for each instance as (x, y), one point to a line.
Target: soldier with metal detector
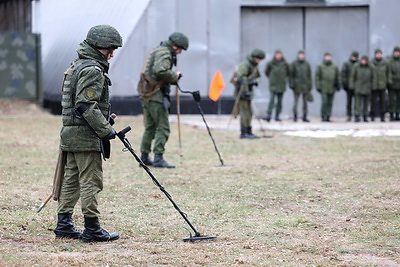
(154, 91)
(85, 135)
(244, 79)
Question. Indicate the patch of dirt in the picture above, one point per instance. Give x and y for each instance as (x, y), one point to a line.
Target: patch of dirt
(21, 108)
(367, 259)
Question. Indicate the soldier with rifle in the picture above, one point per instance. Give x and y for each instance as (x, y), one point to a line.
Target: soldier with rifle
(85, 135)
(244, 79)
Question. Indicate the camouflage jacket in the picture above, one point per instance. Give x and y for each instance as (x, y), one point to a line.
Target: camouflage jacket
(383, 74)
(394, 64)
(85, 83)
(327, 78)
(363, 79)
(277, 72)
(347, 68)
(300, 76)
(247, 70)
(159, 66)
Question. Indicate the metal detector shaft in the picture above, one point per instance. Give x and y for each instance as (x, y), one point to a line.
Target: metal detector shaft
(121, 136)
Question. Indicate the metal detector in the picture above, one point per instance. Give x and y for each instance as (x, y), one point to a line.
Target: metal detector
(197, 235)
(197, 98)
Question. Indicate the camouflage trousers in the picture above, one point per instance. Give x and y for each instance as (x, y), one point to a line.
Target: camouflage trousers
(156, 127)
(326, 105)
(245, 113)
(361, 105)
(394, 100)
(83, 178)
(271, 104)
(378, 102)
(296, 101)
(349, 103)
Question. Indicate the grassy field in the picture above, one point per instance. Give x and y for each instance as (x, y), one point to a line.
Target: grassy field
(284, 201)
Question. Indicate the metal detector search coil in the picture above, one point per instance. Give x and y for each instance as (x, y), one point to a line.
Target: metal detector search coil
(197, 236)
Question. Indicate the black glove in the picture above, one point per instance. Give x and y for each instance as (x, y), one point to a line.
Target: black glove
(319, 90)
(111, 135)
(389, 86)
(346, 87)
(246, 96)
(196, 96)
(253, 82)
(337, 88)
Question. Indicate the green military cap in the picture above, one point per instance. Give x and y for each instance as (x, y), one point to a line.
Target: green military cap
(378, 50)
(396, 48)
(278, 51)
(327, 54)
(258, 53)
(180, 40)
(354, 54)
(301, 52)
(365, 57)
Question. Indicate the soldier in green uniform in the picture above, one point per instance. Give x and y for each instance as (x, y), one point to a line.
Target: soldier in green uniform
(327, 82)
(85, 117)
(277, 70)
(394, 87)
(154, 89)
(300, 82)
(363, 79)
(246, 77)
(383, 78)
(345, 73)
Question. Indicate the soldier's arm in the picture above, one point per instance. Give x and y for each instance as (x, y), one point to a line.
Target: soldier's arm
(162, 68)
(374, 78)
(268, 69)
(309, 76)
(344, 74)
(389, 74)
(291, 75)
(242, 73)
(353, 75)
(317, 78)
(89, 89)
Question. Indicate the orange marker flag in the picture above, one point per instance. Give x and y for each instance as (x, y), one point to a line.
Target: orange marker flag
(216, 86)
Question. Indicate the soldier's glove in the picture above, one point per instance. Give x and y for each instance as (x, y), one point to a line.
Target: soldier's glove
(253, 82)
(389, 86)
(346, 87)
(196, 96)
(246, 96)
(111, 135)
(319, 90)
(338, 89)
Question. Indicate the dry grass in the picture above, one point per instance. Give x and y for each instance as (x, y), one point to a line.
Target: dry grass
(285, 201)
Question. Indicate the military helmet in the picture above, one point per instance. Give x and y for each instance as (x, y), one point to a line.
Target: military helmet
(180, 40)
(258, 53)
(104, 36)
(396, 48)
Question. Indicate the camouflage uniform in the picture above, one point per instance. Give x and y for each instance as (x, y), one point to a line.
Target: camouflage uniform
(345, 73)
(327, 82)
(363, 80)
(383, 78)
(85, 113)
(394, 87)
(277, 71)
(158, 66)
(300, 82)
(246, 76)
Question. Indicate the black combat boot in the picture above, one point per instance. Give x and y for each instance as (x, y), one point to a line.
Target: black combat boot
(268, 117)
(365, 118)
(250, 134)
(328, 119)
(277, 118)
(65, 227)
(357, 118)
(295, 117)
(383, 117)
(146, 160)
(391, 116)
(372, 117)
(94, 233)
(305, 118)
(160, 162)
(348, 118)
(243, 134)
(397, 117)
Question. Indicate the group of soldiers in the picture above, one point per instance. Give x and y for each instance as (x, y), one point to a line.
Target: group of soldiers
(365, 82)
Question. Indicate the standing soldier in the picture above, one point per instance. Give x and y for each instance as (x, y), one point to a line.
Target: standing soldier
(85, 110)
(277, 70)
(154, 90)
(394, 87)
(363, 79)
(327, 82)
(347, 68)
(383, 78)
(300, 82)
